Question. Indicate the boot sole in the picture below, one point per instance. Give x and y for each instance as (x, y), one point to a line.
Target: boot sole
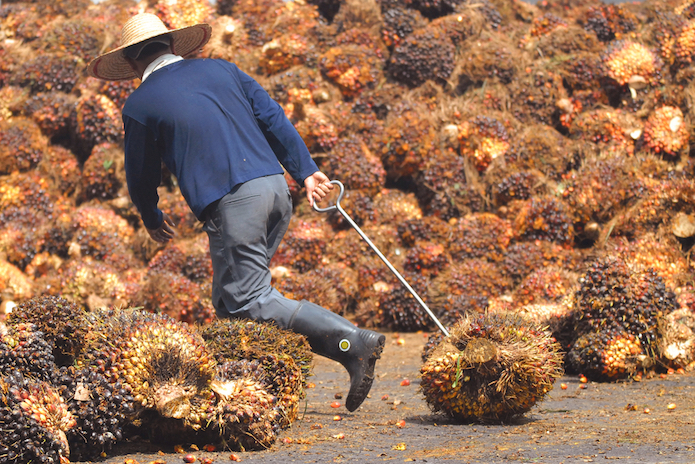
(355, 399)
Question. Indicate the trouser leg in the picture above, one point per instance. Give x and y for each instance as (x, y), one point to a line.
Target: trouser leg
(245, 230)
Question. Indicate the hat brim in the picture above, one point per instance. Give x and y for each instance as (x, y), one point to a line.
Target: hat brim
(112, 66)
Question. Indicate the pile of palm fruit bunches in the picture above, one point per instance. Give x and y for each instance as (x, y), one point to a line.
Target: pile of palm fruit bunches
(75, 382)
(527, 167)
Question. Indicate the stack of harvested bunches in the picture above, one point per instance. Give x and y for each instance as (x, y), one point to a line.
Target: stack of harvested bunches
(75, 382)
(508, 157)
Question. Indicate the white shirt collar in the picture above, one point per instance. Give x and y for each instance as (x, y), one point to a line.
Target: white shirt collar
(160, 62)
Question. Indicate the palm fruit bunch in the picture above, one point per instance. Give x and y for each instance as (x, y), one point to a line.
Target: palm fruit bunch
(176, 295)
(75, 36)
(244, 415)
(22, 145)
(417, 229)
(352, 68)
(118, 91)
(537, 93)
(23, 348)
(599, 188)
(357, 167)
(621, 303)
(611, 131)
(284, 356)
(398, 23)
(61, 322)
(609, 355)
(23, 193)
(482, 140)
(103, 411)
(609, 22)
(102, 173)
(624, 60)
(94, 119)
(480, 235)
(398, 310)
(544, 285)
(522, 258)
(472, 277)
(489, 58)
(333, 286)
(516, 186)
(682, 43)
(182, 13)
(491, 368)
(252, 340)
(50, 111)
(665, 131)
(98, 231)
(544, 218)
(277, 375)
(408, 139)
(303, 245)
(315, 127)
(283, 52)
(19, 244)
(426, 258)
(663, 255)
(548, 22)
(443, 188)
(164, 363)
(34, 420)
(94, 284)
(47, 72)
(426, 53)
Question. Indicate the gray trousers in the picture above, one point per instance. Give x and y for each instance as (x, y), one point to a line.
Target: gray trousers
(245, 229)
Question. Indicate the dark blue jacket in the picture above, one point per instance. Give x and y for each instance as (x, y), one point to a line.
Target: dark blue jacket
(214, 127)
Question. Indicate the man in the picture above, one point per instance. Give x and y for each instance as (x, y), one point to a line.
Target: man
(226, 141)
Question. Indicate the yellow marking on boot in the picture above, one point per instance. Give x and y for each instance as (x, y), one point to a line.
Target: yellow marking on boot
(344, 344)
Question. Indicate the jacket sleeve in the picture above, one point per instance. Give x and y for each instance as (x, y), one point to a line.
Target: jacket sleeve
(143, 168)
(285, 141)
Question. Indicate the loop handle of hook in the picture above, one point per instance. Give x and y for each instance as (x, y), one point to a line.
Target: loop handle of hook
(337, 201)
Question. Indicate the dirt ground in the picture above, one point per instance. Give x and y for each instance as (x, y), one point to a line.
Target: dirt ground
(628, 422)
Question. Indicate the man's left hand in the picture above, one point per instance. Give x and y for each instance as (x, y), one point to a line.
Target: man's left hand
(165, 232)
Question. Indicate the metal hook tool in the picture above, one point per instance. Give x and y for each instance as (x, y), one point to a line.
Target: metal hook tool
(347, 217)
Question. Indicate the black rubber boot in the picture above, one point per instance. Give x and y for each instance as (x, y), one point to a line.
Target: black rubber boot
(336, 338)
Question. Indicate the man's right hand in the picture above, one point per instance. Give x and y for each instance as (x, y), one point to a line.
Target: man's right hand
(165, 232)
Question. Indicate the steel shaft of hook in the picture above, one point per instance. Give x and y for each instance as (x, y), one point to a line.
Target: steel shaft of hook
(347, 217)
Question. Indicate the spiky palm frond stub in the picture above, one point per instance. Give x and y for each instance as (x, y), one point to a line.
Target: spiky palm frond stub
(491, 368)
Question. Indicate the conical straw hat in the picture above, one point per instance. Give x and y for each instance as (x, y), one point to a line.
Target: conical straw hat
(112, 65)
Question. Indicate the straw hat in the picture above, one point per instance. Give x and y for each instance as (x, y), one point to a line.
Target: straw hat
(112, 66)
